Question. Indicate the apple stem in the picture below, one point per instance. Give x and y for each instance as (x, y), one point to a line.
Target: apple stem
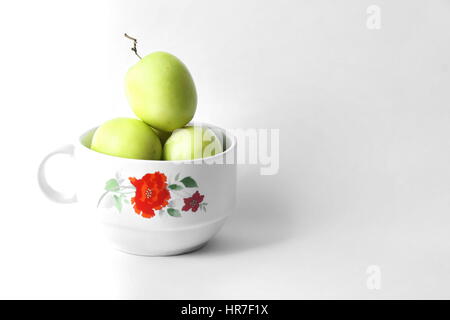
(134, 49)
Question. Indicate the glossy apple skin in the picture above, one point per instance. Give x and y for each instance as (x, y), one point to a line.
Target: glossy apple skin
(127, 138)
(161, 92)
(191, 143)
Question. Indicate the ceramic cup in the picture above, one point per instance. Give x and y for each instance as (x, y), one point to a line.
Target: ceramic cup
(152, 207)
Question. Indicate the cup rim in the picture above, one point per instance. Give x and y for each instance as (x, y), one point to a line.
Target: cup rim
(227, 134)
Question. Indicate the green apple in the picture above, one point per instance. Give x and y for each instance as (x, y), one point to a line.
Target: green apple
(127, 138)
(161, 91)
(192, 143)
(163, 135)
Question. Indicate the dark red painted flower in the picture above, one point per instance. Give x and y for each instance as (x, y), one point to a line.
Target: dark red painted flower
(193, 202)
(151, 194)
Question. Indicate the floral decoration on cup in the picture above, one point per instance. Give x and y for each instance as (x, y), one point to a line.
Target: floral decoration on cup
(153, 194)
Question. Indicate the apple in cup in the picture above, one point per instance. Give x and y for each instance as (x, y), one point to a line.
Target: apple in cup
(190, 143)
(127, 138)
(161, 92)
(163, 135)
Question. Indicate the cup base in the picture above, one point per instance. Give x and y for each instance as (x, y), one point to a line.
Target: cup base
(163, 254)
(161, 242)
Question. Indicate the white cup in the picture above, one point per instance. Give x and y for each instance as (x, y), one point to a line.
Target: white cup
(150, 207)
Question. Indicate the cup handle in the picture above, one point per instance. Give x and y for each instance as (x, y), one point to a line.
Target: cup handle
(51, 193)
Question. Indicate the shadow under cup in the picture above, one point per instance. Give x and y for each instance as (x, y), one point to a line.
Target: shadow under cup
(155, 207)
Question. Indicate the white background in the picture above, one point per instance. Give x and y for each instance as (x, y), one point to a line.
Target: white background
(364, 131)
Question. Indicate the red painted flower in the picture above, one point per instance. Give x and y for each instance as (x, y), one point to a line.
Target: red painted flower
(193, 202)
(151, 194)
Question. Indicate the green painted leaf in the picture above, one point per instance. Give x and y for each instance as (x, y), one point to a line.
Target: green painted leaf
(112, 185)
(203, 206)
(173, 212)
(175, 187)
(177, 177)
(118, 203)
(189, 182)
